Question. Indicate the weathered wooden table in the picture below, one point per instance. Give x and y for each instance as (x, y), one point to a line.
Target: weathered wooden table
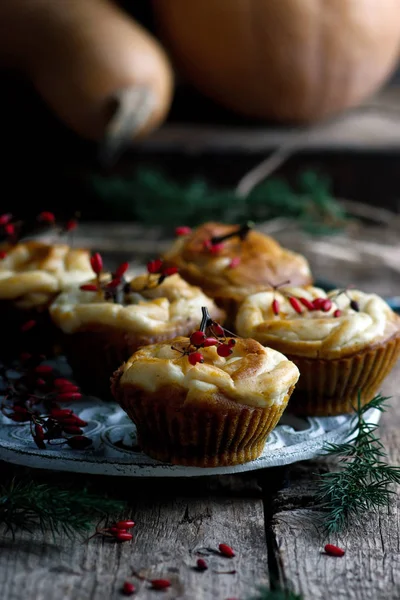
(266, 516)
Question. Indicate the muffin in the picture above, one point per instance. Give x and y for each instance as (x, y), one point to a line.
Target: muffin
(193, 406)
(345, 343)
(32, 273)
(102, 327)
(230, 262)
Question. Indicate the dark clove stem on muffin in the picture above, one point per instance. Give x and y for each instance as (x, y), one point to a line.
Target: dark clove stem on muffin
(241, 232)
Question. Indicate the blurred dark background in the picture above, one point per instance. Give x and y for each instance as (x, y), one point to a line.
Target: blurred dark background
(46, 166)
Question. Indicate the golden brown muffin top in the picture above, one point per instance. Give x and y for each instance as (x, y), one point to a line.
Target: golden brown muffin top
(349, 322)
(236, 267)
(251, 375)
(32, 272)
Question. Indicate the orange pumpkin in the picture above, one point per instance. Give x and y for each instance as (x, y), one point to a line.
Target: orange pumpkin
(291, 60)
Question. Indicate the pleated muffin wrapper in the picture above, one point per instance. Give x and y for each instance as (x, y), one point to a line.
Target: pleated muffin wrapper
(94, 354)
(331, 387)
(214, 434)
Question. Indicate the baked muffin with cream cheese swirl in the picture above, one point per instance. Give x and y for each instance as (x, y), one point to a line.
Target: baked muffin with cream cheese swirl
(230, 262)
(205, 401)
(344, 342)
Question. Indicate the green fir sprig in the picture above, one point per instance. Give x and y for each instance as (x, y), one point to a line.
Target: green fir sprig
(364, 480)
(26, 504)
(150, 197)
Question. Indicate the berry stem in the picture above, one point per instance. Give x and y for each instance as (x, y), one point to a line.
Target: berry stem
(241, 232)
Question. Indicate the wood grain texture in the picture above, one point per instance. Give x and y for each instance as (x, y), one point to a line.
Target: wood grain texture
(168, 535)
(370, 569)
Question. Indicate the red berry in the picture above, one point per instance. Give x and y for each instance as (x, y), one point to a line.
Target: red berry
(114, 530)
(337, 313)
(3, 255)
(195, 357)
(334, 550)
(39, 432)
(235, 262)
(20, 409)
(79, 442)
(40, 382)
(68, 388)
(125, 524)
(128, 588)
(170, 271)
(183, 230)
(307, 303)
(6, 218)
(154, 266)
(224, 350)
(160, 584)
(60, 413)
(123, 536)
(210, 342)
(326, 305)
(295, 304)
(121, 270)
(217, 329)
(216, 248)
(66, 396)
(46, 216)
(9, 229)
(43, 369)
(201, 564)
(275, 307)
(114, 283)
(61, 382)
(231, 342)
(226, 550)
(89, 287)
(28, 325)
(97, 263)
(197, 338)
(71, 225)
(318, 302)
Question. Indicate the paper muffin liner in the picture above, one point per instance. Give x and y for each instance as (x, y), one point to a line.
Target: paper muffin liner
(331, 387)
(198, 436)
(94, 355)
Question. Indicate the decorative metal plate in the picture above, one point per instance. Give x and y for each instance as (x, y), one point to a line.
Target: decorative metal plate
(115, 451)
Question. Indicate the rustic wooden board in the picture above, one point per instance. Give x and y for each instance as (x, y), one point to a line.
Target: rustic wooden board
(370, 570)
(169, 533)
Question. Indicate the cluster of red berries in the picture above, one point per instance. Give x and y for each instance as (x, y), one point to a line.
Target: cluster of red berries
(34, 397)
(11, 229)
(322, 304)
(118, 531)
(206, 336)
(157, 267)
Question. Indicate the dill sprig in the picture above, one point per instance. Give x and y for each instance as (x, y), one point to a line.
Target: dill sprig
(363, 482)
(26, 504)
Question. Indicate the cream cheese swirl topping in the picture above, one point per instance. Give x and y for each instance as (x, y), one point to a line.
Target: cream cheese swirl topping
(315, 333)
(252, 375)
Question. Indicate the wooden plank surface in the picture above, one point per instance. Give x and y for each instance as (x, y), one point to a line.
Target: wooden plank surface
(169, 534)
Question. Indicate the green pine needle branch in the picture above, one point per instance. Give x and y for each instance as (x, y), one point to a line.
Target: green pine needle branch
(25, 504)
(364, 480)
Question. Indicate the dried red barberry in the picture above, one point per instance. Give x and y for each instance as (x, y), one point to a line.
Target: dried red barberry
(3, 255)
(183, 230)
(160, 584)
(121, 270)
(4, 219)
(154, 266)
(47, 217)
(210, 341)
(275, 307)
(125, 524)
(128, 588)
(61, 382)
(44, 369)
(224, 350)
(216, 248)
(318, 302)
(195, 357)
(201, 564)
(337, 313)
(28, 325)
(226, 550)
(96, 263)
(60, 413)
(9, 229)
(66, 396)
(114, 283)
(38, 436)
(89, 287)
(123, 536)
(326, 305)
(307, 303)
(295, 304)
(71, 225)
(197, 338)
(334, 550)
(217, 329)
(170, 271)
